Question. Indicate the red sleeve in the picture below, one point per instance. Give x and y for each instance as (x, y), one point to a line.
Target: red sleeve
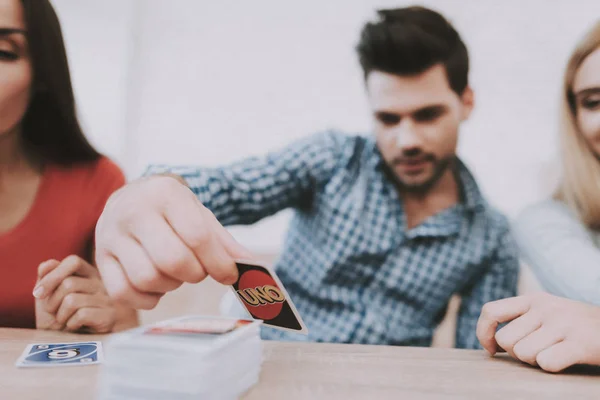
(105, 178)
(109, 178)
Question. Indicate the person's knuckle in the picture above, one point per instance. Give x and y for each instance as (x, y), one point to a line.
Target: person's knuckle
(179, 271)
(73, 260)
(119, 291)
(71, 301)
(156, 188)
(148, 280)
(41, 268)
(489, 310)
(559, 328)
(547, 364)
(196, 275)
(503, 339)
(523, 353)
(107, 233)
(200, 240)
(170, 259)
(69, 284)
(85, 315)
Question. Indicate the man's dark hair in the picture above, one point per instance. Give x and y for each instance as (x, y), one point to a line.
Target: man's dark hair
(408, 41)
(51, 132)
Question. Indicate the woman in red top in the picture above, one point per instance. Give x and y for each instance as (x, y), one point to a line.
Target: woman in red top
(53, 184)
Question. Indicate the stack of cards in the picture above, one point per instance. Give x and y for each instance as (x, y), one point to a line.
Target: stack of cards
(193, 357)
(200, 357)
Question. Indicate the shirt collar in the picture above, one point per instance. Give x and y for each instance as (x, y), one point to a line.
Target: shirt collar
(471, 196)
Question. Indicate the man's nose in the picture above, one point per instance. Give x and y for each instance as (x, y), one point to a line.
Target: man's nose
(407, 137)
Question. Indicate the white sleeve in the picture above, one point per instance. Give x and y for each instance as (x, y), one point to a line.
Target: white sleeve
(560, 251)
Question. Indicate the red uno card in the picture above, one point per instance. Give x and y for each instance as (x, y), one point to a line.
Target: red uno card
(261, 293)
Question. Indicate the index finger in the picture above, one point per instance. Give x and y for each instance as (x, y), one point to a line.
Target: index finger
(198, 229)
(495, 313)
(43, 269)
(233, 248)
(46, 267)
(71, 265)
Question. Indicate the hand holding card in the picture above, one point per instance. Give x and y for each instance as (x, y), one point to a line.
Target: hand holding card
(261, 293)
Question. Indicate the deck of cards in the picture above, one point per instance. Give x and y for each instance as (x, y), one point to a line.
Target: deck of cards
(193, 357)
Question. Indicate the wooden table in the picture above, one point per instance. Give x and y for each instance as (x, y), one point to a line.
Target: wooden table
(327, 371)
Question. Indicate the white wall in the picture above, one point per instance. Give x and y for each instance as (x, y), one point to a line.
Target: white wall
(191, 81)
(99, 40)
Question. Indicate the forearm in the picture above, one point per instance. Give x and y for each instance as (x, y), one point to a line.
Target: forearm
(227, 192)
(246, 191)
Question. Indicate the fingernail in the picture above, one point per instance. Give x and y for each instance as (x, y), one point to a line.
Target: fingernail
(38, 292)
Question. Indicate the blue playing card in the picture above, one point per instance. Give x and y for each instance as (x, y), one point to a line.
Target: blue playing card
(61, 354)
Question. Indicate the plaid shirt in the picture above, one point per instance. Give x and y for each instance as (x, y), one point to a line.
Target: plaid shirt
(353, 269)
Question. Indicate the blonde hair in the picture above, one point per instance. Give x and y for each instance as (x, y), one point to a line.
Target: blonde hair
(580, 182)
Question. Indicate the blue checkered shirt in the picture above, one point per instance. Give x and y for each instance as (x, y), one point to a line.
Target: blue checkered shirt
(353, 269)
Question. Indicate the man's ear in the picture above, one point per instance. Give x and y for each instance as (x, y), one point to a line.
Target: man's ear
(468, 102)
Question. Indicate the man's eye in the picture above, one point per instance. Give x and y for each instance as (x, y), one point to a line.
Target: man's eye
(388, 119)
(427, 115)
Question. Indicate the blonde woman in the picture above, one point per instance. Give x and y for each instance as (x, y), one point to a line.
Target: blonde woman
(560, 240)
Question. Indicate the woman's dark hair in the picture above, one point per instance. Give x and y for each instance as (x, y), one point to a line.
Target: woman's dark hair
(408, 41)
(50, 130)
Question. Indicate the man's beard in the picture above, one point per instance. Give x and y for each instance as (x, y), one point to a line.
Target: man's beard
(421, 188)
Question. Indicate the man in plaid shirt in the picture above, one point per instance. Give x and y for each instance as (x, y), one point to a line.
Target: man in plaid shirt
(386, 228)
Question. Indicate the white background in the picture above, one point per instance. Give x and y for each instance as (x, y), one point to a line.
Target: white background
(207, 82)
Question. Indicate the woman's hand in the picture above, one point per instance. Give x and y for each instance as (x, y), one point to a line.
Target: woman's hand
(70, 295)
(543, 330)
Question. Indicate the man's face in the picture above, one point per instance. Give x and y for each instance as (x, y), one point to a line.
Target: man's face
(416, 124)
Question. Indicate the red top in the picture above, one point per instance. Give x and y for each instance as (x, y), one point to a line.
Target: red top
(61, 222)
